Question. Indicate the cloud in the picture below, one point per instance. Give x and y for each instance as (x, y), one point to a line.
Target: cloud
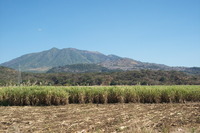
(39, 29)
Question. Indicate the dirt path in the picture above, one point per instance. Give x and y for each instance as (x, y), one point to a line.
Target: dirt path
(138, 118)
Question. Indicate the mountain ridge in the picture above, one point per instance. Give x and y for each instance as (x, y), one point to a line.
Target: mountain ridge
(55, 58)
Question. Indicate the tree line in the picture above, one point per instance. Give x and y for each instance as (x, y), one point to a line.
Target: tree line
(142, 77)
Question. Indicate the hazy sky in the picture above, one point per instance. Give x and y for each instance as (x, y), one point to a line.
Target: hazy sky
(156, 31)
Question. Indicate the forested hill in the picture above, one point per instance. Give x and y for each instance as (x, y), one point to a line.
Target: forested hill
(8, 76)
(139, 77)
(80, 68)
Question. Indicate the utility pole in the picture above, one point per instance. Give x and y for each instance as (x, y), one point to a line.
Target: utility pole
(19, 75)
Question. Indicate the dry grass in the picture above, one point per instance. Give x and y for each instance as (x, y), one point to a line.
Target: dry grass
(129, 118)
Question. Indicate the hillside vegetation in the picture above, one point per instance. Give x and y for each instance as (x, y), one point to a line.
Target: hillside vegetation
(142, 77)
(7, 76)
(79, 68)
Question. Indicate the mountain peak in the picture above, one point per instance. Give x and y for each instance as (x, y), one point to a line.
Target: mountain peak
(55, 57)
(71, 48)
(54, 48)
(45, 60)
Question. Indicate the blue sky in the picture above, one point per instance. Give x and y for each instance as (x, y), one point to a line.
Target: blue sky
(156, 31)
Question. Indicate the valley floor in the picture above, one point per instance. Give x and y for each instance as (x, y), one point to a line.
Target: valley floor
(137, 118)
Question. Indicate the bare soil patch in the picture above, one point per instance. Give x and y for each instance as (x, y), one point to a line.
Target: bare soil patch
(138, 118)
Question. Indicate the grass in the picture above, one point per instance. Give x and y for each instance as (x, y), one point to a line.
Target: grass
(49, 95)
(33, 96)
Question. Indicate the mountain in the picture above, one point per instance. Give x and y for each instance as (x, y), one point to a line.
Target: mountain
(74, 60)
(122, 63)
(130, 64)
(43, 61)
(79, 68)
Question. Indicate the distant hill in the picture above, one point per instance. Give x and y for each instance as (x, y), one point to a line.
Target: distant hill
(122, 63)
(189, 70)
(7, 75)
(6, 72)
(79, 68)
(130, 64)
(59, 60)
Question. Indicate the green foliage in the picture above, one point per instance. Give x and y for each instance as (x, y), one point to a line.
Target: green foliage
(33, 96)
(79, 68)
(45, 95)
(8, 77)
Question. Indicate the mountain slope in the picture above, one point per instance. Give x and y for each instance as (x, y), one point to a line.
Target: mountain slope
(45, 60)
(57, 58)
(79, 68)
